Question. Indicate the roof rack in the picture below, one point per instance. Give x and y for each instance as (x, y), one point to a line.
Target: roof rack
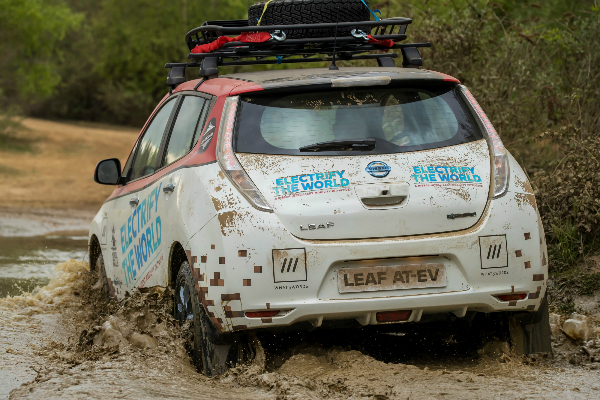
(278, 49)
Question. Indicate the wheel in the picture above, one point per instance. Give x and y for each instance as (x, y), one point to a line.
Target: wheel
(289, 12)
(102, 282)
(530, 332)
(212, 352)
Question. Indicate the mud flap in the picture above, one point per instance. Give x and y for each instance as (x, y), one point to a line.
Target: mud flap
(220, 351)
(216, 358)
(213, 352)
(530, 332)
(229, 350)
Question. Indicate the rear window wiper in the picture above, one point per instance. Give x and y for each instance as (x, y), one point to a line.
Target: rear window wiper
(342, 145)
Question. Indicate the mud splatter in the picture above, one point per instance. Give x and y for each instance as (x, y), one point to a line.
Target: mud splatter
(463, 193)
(227, 220)
(101, 349)
(89, 347)
(523, 199)
(219, 205)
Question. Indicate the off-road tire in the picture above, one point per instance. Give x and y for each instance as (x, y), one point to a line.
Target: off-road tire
(291, 12)
(212, 352)
(103, 279)
(530, 332)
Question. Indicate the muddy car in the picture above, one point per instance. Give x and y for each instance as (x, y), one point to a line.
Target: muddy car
(309, 198)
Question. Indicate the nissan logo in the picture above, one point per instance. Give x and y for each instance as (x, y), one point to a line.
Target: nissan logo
(378, 169)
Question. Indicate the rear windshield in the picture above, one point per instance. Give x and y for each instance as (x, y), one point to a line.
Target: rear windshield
(397, 120)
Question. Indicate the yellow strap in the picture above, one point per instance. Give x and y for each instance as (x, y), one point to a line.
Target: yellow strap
(263, 13)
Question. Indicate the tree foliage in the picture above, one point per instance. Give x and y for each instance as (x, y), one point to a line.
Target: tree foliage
(114, 67)
(30, 44)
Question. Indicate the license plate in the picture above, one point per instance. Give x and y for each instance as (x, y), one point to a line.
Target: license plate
(370, 279)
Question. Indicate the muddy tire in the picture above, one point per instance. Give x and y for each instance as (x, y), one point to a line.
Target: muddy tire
(102, 283)
(530, 332)
(291, 12)
(212, 352)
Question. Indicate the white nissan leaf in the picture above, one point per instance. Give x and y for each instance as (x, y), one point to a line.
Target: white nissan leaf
(305, 198)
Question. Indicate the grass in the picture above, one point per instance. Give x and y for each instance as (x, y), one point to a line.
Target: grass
(566, 308)
(576, 282)
(569, 266)
(569, 283)
(58, 172)
(565, 250)
(9, 170)
(11, 143)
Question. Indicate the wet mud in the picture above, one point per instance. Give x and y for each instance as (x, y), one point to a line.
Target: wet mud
(32, 243)
(65, 340)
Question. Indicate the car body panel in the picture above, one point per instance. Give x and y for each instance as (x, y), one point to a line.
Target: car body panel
(431, 195)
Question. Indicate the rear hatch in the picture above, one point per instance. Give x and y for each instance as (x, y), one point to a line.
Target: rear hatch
(358, 163)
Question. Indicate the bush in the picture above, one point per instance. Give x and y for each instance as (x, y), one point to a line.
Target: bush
(539, 83)
(569, 196)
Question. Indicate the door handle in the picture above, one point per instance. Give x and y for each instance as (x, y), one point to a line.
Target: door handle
(382, 201)
(134, 202)
(169, 188)
(375, 195)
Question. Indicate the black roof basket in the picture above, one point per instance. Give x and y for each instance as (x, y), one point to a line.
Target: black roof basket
(282, 50)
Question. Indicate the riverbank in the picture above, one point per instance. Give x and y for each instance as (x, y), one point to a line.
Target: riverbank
(52, 167)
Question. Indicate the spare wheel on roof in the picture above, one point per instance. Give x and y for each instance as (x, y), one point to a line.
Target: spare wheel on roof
(291, 12)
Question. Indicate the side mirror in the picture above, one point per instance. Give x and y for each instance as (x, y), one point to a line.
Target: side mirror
(108, 172)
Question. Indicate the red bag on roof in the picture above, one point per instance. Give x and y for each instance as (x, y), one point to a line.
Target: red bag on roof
(245, 37)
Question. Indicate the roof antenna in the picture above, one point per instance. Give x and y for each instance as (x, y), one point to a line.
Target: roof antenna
(334, 67)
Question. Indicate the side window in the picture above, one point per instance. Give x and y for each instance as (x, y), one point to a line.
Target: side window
(127, 169)
(201, 121)
(146, 155)
(187, 128)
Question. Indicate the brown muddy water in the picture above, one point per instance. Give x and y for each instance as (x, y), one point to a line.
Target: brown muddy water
(31, 245)
(62, 340)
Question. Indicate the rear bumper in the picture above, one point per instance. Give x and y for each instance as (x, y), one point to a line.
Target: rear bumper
(364, 310)
(237, 275)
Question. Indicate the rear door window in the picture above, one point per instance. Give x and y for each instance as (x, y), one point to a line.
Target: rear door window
(187, 127)
(399, 119)
(146, 157)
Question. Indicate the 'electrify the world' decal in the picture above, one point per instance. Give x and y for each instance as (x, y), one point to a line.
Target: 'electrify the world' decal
(434, 175)
(310, 183)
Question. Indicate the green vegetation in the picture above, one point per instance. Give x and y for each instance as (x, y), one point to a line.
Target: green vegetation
(538, 78)
(570, 283)
(30, 35)
(113, 69)
(533, 66)
(30, 45)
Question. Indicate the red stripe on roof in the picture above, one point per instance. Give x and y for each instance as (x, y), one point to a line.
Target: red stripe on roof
(447, 78)
(245, 88)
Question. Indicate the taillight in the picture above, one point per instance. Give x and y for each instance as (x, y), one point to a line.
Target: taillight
(229, 162)
(393, 316)
(511, 297)
(262, 314)
(500, 170)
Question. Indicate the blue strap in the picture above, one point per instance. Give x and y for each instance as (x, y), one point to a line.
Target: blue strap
(366, 5)
(279, 59)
